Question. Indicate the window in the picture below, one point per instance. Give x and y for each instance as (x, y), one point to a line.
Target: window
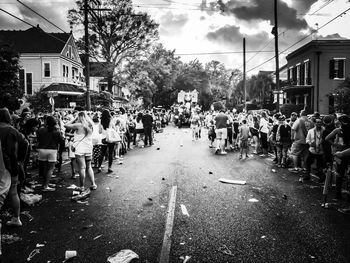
(65, 71)
(298, 74)
(294, 76)
(69, 51)
(307, 72)
(337, 68)
(21, 79)
(29, 83)
(47, 71)
(73, 73)
(302, 73)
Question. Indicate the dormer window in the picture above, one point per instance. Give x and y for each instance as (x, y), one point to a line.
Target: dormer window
(69, 52)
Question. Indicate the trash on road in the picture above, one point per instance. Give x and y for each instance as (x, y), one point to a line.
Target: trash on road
(123, 256)
(185, 259)
(26, 213)
(39, 245)
(228, 181)
(263, 237)
(144, 237)
(97, 237)
(70, 254)
(253, 200)
(210, 172)
(329, 205)
(163, 179)
(162, 206)
(150, 199)
(82, 195)
(182, 243)
(204, 186)
(184, 210)
(225, 250)
(86, 202)
(273, 170)
(72, 186)
(9, 239)
(345, 211)
(32, 254)
(88, 226)
(76, 193)
(158, 148)
(109, 189)
(30, 199)
(33, 232)
(284, 197)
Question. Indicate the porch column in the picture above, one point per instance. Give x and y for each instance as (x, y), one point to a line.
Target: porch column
(305, 98)
(297, 99)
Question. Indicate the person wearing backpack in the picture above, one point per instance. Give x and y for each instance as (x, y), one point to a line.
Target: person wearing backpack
(299, 148)
(283, 135)
(12, 142)
(106, 127)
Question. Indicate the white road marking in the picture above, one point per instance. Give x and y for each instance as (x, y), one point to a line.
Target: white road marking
(165, 253)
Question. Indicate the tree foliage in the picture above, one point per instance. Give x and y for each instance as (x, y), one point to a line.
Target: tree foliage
(39, 101)
(116, 35)
(10, 91)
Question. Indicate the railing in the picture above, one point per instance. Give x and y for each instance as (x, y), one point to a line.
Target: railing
(67, 80)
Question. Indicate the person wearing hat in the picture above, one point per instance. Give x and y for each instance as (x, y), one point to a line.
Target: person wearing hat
(339, 138)
(283, 141)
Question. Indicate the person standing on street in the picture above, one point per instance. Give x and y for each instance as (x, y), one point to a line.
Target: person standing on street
(221, 132)
(12, 142)
(147, 121)
(264, 130)
(244, 135)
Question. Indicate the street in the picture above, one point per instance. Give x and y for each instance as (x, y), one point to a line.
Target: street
(273, 218)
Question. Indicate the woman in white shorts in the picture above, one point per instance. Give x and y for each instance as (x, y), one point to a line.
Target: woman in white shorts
(49, 138)
(82, 147)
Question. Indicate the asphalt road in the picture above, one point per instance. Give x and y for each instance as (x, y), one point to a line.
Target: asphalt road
(129, 211)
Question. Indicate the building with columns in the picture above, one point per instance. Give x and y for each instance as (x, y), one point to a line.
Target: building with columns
(314, 71)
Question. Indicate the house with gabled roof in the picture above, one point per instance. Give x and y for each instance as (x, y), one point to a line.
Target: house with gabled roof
(48, 60)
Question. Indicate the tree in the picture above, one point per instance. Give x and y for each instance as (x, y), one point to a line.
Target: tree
(342, 97)
(117, 35)
(39, 101)
(10, 91)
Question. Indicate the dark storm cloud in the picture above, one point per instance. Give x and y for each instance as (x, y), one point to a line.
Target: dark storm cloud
(54, 12)
(230, 36)
(262, 10)
(170, 23)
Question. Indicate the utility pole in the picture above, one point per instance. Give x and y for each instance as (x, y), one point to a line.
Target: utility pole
(87, 64)
(244, 77)
(275, 31)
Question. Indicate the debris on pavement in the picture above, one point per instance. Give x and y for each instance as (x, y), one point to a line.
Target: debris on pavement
(9, 239)
(108, 188)
(204, 186)
(150, 199)
(30, 199)
(185, 259)
(225, 250)
(184, 210)
(72, 187)
(228, 181)
(97, 237)
(263, 237)
(123, 256)
(273, 170)
(329, 205)
(26, 213)
(163, 179)
(33, 232)
(88, 226)
(182, 243)
(75, 193)
(158, 148)
(32, 254)
(162, 206)
(83, 202)
(344, 210)
(253, 200)
(82, 195)
(39, 245)
(69, 254)
(284, 197)
(210, 172)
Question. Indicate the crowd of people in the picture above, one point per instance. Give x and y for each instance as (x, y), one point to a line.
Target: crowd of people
(86, 138)
(307, 145)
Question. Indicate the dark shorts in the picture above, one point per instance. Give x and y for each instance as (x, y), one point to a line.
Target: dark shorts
(244, 144)
(299, 149)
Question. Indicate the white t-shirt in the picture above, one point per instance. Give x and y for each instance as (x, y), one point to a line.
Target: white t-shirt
(264, 125)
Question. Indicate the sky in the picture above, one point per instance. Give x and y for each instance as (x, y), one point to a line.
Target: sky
(197, 30)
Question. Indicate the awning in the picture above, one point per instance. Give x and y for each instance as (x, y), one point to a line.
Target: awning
(63, 89)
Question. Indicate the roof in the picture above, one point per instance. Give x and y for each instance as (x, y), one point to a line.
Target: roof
(34, 40)
(319, 45)
(64, 88)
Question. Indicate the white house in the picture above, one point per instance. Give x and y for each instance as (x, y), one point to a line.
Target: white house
(47, 60)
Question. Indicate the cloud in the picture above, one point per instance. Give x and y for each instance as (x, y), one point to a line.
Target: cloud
(171, 23)
(55, 12)
(231, 36)
(257, 10)
(333, 36)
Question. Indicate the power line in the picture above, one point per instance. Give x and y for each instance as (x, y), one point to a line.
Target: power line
(16, 17)
(41, 16)
(218, 53)
(31, 25)
(341, 14)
